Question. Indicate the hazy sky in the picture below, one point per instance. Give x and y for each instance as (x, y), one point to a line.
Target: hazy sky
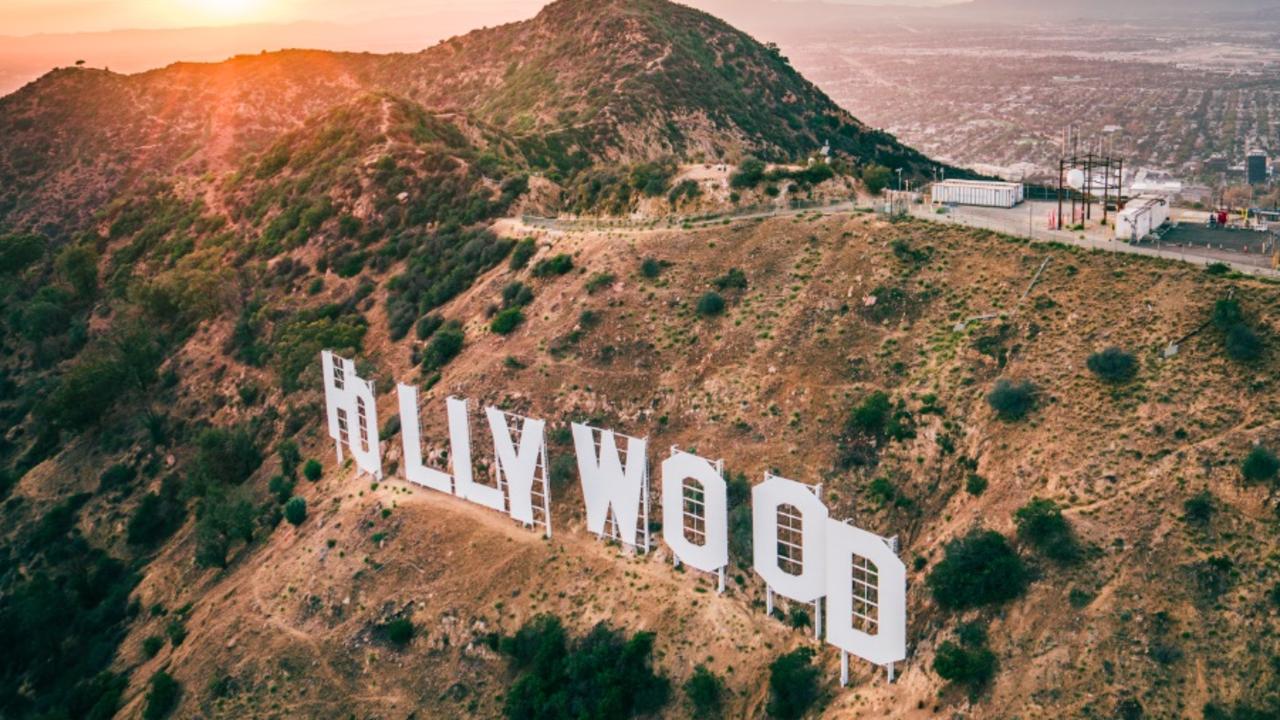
(26, 17)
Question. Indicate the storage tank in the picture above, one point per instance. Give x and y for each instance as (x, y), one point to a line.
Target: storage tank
(1256, 167)
(978, 192)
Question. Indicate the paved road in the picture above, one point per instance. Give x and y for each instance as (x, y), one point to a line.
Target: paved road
(1026, 221)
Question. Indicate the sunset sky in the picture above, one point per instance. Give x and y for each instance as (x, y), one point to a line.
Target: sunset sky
(26, 17)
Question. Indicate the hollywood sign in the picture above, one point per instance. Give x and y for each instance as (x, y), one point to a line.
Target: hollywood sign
(800, 552)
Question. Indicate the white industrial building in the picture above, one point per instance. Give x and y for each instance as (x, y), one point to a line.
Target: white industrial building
(978, 192)
(1141, 216)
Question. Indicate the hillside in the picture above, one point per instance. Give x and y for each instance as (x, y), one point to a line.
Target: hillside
(1088, 520)
(585, 81)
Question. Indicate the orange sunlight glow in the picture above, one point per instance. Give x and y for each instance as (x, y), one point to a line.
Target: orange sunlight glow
(225, 11)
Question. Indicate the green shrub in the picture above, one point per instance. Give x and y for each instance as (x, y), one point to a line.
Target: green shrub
(312, 470)
(793, 685)
(977, 569)
(224, 517)
(975, 485)
(516, 295)
(117, 477)
(506, 322)
(162, 697)
(711, 305)
(1011, 400)
(557, 265)
(398, 632)
(1113, 365)
(152, 645)
(18, 252)
(973, 667)
(295, 511)
(176, 632)
(224, 457)
(298, 340)
(1243, 344)
(428, 325)
(601, 675)
(289, 456)
(705, 691)
(735, 279)
(281, 486)
(1260, 465)
(1040, 523)
(1198, 509)
(157, 517)
(600, 281)
(523, 253)
(651, 268)
(444, 346)
(876, 178)
(748, 174)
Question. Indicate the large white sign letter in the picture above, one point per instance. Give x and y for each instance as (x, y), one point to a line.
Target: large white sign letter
(517, 469)
(866, 596)
(350, 404)
(788, 525)
(610, 486)
(411, 436)
(695, 512)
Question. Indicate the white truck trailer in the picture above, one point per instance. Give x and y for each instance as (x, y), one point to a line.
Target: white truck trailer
(978, 192)
(1141, 216)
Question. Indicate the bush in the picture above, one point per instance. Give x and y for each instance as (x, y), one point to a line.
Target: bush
(224, 457)
(523, 253)
(705, 691)
(445, 345)
(295, 511)
(735, 279)
(558, 265)
(224, 518)
(602, 675)
(793, 685)
(157, 517)
(1113, 365)
(972, 667)
(428, 325)
(506, 322)
(152, 645)
(711, 305)
(599, 281)
(281, 486)
(1260, 465)
(312, 470)
(515, 295)
(1243, 344)
(651, 268)
(1011, 400)
(287, 450)
(1199, 508)
(398, 632)
(1040, 523)
(748, 175)
(876, 178)
(975, 485)
(977, 569)
(162, 698)
(116, 477)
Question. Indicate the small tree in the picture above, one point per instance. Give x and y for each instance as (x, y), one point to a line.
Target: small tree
(876, 178)
(444, 346)
(1113, 365)
(506, 322)
(312, 470)
(1040, 523)
(289, 457)
(398, 632)
(295, 511)
(972, 667)
(1198, 510)
(793, 685)
(977, 569)
(1012, 400)
(1260, 465)
(711, 305)
(705, 691)
(162, 698)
